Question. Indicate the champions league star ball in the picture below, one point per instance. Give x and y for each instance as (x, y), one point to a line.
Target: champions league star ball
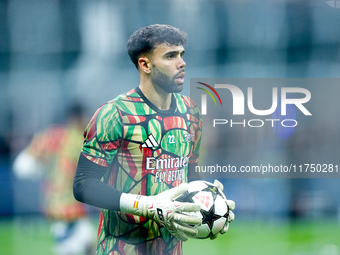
(214, 209)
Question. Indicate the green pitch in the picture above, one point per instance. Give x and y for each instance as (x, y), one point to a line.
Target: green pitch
(31, 236)
(27, 235)
(270, 238)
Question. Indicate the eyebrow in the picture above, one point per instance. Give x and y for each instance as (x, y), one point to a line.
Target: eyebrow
(175, 52)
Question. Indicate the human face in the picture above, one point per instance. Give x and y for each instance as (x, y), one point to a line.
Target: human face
(168, 67)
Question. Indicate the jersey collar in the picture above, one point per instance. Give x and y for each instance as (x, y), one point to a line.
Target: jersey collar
(154, 107)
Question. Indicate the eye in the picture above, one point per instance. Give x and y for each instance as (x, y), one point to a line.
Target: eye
(170, 56)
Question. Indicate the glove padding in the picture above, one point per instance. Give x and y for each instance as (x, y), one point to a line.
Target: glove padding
(164, 210)
(231, 216)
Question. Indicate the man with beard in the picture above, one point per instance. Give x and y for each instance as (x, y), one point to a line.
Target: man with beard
(137, 151)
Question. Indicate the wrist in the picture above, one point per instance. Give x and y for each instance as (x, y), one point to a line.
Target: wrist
(133, 204)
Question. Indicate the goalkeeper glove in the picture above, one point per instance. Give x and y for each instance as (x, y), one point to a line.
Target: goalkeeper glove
(231, 207)
(166, 212)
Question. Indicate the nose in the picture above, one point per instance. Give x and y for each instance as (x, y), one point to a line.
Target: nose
(181, 64)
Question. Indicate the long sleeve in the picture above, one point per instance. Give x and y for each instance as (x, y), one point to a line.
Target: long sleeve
(88, 187)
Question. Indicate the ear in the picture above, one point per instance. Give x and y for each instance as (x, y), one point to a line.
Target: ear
(144, 64)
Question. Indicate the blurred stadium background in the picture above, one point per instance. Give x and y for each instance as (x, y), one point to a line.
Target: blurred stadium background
(54, 52)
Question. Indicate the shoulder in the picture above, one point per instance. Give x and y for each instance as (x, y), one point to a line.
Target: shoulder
(109, 116)
(125, 103)
(120, 103)
(181, 99)
(187, 103)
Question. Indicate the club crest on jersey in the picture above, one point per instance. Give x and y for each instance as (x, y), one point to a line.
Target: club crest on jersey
(188, 138)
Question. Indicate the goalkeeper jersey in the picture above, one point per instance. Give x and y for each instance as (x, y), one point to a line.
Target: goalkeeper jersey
(146, 151)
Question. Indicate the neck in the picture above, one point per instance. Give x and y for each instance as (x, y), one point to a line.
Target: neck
(156, 95)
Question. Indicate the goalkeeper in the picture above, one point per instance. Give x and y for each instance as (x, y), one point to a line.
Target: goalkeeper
(137, 151)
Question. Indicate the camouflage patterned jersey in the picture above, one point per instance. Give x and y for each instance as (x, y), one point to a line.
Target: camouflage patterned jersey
(146, 151)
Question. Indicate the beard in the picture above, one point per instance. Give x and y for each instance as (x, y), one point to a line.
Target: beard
(168, 84)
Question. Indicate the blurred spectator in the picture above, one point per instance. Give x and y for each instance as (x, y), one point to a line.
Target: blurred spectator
(53, 154)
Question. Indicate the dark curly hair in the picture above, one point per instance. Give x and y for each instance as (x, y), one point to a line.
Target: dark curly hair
(145, 39)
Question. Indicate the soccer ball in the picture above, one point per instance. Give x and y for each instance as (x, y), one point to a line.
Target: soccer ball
(214, 209)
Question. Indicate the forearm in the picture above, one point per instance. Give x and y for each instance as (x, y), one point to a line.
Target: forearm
(88, 187)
